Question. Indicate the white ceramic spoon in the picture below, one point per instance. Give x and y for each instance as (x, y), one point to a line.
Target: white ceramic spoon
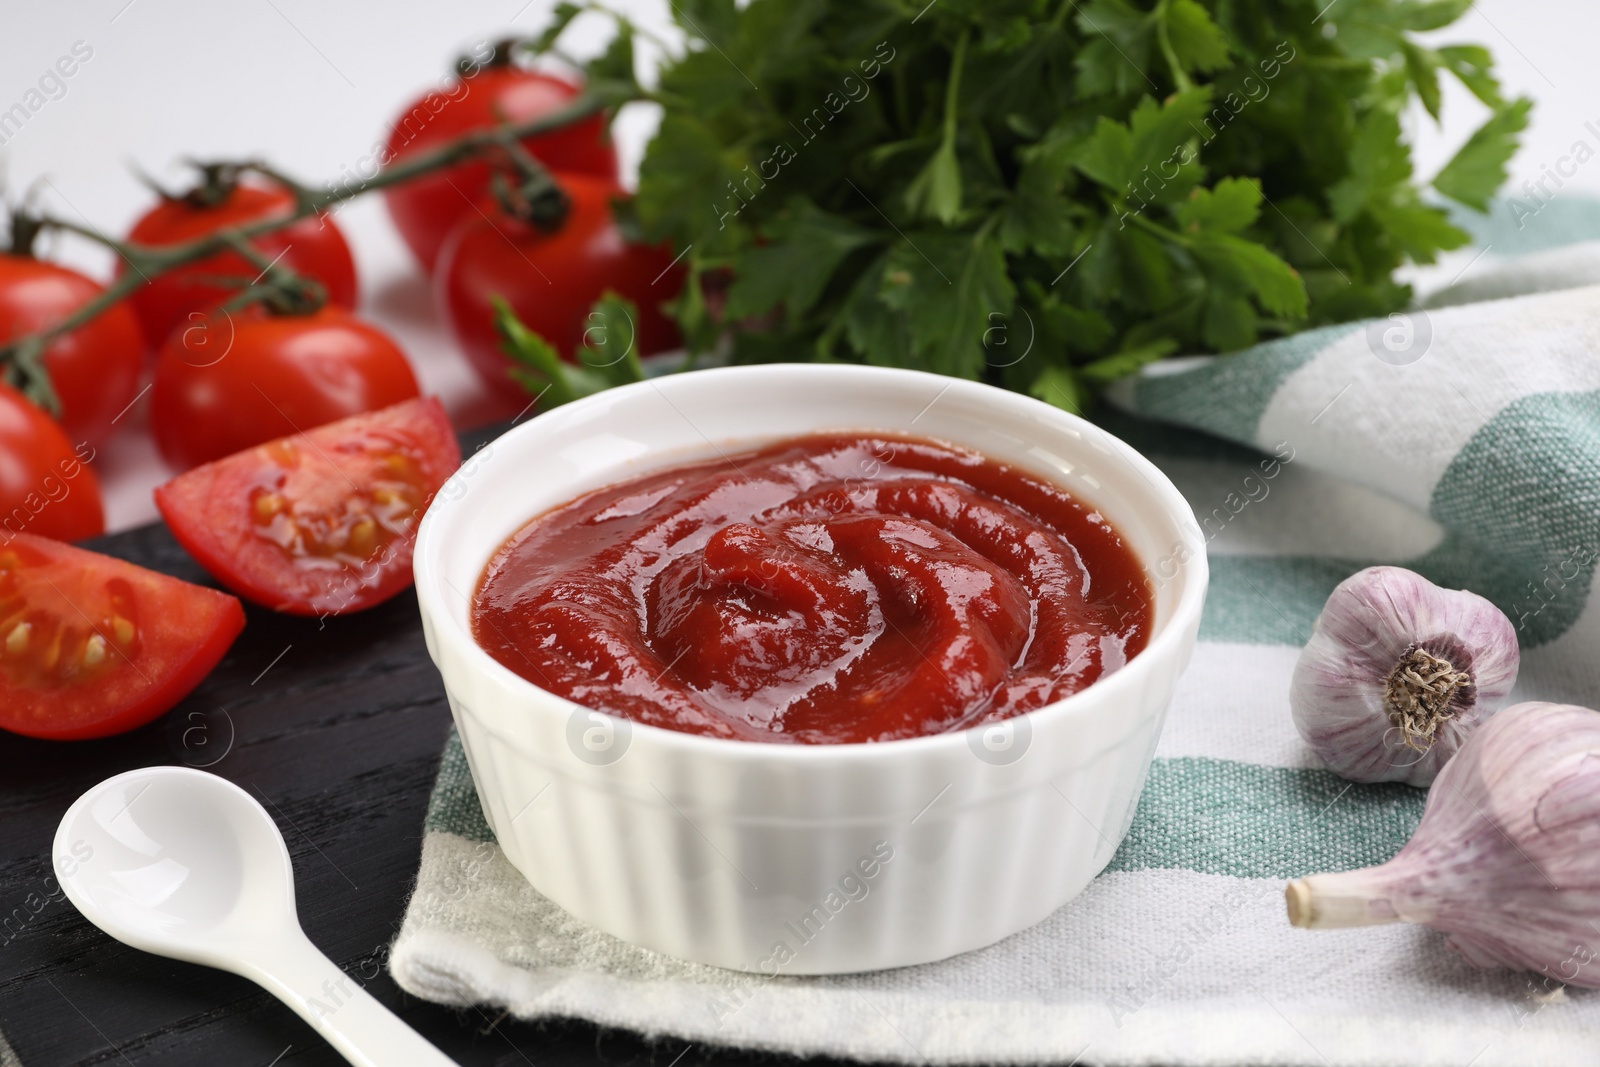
(184, 864)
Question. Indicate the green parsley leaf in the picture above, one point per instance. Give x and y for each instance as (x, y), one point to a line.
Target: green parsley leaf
(1119, 181)
(1379, 162)
(539, 369)
(1473, 66)
(1422, 66)
(806, 247)
(936, 192)
(609, 347)
(562, 14)
(611, 75)
(1121, 364)
(1117, 52)
(1422, 15)
(1243, 267)
(1037, 216)
(1197, 41)
(1233, 204)
(682, 179)
(1061, 387)
(947, 286)
(1479, 167)
(1136, 157)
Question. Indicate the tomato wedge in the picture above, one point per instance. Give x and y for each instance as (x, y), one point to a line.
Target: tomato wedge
(322, 522)
(92, 646)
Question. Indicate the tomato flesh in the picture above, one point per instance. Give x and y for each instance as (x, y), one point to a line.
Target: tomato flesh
(92, 646)
(322, 522)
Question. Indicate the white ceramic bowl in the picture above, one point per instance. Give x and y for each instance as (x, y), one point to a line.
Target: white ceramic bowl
(803, 859)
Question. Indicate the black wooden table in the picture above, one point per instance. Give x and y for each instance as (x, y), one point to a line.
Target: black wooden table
(337, 728)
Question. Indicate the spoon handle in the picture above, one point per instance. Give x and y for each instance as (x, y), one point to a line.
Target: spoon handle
(363, 1031)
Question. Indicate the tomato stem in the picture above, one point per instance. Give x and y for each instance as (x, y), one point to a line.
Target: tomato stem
(21, 359)
(505, 52)
(536, 198)
(25, 228)
(281, 290)
(219, 180)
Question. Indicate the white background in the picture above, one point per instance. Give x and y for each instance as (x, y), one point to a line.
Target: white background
(312, 86)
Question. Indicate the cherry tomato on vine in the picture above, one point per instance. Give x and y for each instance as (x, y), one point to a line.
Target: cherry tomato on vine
(551, 280)
(322, 522)
(95, 368)
(236, 379)
(46, 486)
(425, 210)
(313, 247)
(92, 646)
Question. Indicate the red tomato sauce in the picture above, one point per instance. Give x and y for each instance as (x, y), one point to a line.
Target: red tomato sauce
(825, 589)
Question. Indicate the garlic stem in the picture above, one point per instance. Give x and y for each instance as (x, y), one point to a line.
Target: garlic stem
(1419, 694)
(1335, 901)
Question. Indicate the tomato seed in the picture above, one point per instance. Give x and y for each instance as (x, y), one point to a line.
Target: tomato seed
(268, 505)
(94, 651)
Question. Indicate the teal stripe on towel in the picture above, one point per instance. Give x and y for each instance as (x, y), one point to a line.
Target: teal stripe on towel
(1216, 816)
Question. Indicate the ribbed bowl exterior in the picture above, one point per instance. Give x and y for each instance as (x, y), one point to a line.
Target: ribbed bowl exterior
(803, 859)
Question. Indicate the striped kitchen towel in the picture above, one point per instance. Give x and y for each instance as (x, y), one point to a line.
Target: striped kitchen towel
(1463, 441)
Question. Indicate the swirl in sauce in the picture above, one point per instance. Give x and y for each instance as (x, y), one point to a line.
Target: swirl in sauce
(825, 589)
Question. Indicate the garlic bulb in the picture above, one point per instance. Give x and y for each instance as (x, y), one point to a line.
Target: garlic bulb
(1506, 859)
(1397, 673)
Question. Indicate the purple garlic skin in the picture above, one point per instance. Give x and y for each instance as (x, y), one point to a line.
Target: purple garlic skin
(1506, 859)
(1398, 673)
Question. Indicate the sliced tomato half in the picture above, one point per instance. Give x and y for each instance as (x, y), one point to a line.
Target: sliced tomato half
(323, 522)
(92, 646)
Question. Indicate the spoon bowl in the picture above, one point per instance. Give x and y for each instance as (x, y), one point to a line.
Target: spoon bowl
(184, 864)
(177, 862)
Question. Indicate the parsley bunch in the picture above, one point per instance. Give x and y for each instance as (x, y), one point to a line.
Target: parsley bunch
(1047, 194)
